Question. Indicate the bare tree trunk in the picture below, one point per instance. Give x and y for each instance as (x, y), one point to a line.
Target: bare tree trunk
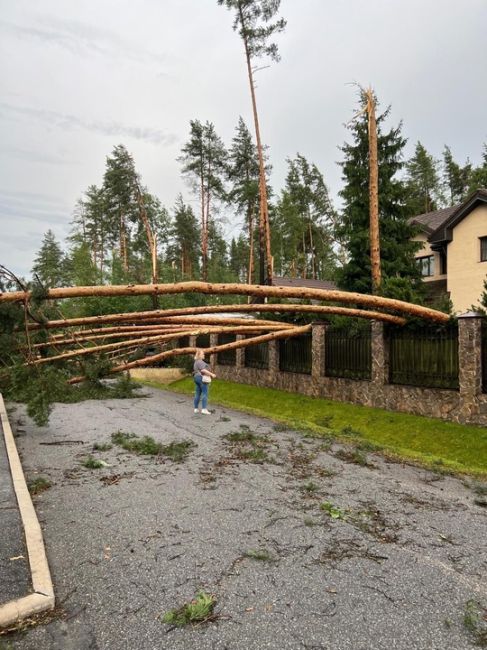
(123, 243)
(251, 244)
(313, 262)
(373, 195)
(264, 226)
(190, 350)
(303, 293)
(152, 316)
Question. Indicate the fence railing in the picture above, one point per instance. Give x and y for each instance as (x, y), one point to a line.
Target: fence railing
(426, 356)
(257, 356)
(484, 356)
(203, 341)
(348, 355)
(295, 354)
(227, 357)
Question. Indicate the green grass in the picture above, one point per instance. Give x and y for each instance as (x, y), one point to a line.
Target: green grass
(145, 446)
(93, 463)
(198, 610)
(430, 442)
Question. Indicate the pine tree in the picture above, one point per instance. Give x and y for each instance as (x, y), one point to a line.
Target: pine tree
(478, 177)
(423, 182)
(50, 262)
(253, 22)
(397, 248)
(184, 238)
(204, 163)
(456, 179)
(243, 175)
(306, 220)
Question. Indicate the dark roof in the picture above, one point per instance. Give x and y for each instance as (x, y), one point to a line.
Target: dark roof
(279, 281)
(431, 221)
(443, 233)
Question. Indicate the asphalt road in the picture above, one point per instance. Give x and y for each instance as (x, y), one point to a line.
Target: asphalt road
(397, 566)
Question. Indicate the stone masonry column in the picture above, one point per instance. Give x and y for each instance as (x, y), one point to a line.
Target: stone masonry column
(470, 362)
(273, 370)
(380, 355)
(192, 341)
(213, 342)
(318, 349)
(240, 353)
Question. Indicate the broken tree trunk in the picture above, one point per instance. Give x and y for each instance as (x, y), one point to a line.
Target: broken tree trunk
(331, 295)
(150, 316)
(296, 331)
(373, 194)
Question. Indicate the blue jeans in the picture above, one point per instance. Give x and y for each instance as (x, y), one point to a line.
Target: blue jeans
(201, 392)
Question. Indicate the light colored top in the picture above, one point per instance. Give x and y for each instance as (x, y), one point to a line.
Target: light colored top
(199, 366)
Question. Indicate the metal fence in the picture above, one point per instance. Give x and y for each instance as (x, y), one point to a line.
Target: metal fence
(484, 356)
(227, 357)
(427, 356)
(203, 341)
(348, 355)
(295, 354)
(257, 356)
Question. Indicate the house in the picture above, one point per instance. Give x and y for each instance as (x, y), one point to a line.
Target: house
(453, 256)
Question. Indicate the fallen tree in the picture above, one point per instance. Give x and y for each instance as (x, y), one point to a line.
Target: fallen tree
(145, 361)
(329, 295)
(150, 316)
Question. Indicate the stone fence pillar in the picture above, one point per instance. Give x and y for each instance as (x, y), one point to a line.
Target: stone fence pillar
(213, 342)
(192, 341)
(273, 358)
(318, 349)
(380, 355)
(240, 353)
(470, 357)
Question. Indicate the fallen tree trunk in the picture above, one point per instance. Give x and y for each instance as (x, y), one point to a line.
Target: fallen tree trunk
(253, 328)
(148, 316)
(330, 295)
(143, 341)
(296, 331)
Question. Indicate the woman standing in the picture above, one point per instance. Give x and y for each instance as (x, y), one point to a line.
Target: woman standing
(202, 376)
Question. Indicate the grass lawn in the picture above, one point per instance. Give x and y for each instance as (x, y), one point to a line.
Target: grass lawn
(433, 443)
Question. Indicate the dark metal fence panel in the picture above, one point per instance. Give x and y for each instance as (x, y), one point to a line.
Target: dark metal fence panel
(257, 356)
(348, 355)
(426, 356)
(203, 341)
(227, 357)
(484, 356)
(295, 354)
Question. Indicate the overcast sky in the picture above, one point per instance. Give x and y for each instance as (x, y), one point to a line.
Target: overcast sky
(78, 78)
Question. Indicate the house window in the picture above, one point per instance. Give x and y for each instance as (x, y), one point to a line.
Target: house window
(483, 249)
(426, 265)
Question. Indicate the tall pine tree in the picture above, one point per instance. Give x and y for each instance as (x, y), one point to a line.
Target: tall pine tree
(400, 274)
(423, 182)
(50, 263)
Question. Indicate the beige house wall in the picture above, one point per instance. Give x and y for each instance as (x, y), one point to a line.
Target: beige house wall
(466, 273)
(425, 251)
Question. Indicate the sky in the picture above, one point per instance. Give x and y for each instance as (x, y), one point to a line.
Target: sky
(78, 78)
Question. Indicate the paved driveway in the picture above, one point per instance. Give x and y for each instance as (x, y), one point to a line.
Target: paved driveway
(301, 547)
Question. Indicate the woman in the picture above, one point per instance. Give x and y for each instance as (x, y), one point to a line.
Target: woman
(201, 369)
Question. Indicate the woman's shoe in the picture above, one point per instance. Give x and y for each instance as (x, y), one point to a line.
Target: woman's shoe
(196, 411)
(205, 412)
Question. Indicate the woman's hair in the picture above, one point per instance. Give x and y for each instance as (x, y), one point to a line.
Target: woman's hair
(199, 354)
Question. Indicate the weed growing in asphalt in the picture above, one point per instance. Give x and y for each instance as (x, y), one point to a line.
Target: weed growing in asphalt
(310, 487)
(475, 621)
(93, 463)
(244, 436)
(224, 418)
(102, 446)
(38, 485)
(199, 610)
(262, 555)
(145, 446)
(178, 451)
(333, 511)
(253, 455)
(354, 456)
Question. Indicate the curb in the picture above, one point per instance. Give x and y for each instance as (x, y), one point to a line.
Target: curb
(43, 596)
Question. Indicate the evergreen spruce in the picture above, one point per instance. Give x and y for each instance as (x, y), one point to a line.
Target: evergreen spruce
(50, 263)
(423, 182)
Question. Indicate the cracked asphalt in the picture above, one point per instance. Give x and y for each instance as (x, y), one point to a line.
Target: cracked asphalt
(384, 556)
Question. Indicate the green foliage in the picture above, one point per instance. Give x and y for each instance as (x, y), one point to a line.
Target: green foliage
(475, 621)
(145, 446)
(456, 179)
(199, 610)
(93, 463)
(423, 182)
(397, 249)
(261, 555)
(102, 446)
(50, 263)
(38, 485)
(333, 511)
(177, 451)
